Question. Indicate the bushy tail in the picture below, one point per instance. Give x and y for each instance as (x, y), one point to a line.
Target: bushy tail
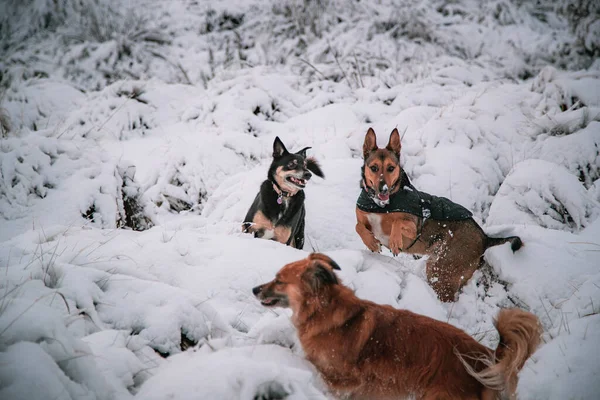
(520, 333)
(515, 242)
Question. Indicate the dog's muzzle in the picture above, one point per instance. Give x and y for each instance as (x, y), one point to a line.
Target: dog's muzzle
(269, 299)
(384, 194)
(300, 182)
(382, 198)
(256, 291)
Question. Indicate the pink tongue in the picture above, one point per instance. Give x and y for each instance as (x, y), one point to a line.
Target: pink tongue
(384, 197)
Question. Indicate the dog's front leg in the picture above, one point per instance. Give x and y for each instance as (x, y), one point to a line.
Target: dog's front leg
(401, 228)
(368, 238)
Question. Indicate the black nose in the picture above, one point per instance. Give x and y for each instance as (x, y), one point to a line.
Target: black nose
(306, 175)
(256, 290)
(383, 188)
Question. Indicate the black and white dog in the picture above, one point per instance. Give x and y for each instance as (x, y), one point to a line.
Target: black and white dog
(277, 212)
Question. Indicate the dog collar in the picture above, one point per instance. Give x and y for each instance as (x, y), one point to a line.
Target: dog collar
(280, 193)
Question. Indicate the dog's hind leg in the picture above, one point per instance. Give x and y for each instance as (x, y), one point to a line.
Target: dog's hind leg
(450, 267)
(455, 258)
(443, 279)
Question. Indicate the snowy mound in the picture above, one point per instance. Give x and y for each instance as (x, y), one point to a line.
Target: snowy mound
(134, 139)
(559, 201)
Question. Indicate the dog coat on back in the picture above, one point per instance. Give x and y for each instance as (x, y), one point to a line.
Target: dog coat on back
(421, 204)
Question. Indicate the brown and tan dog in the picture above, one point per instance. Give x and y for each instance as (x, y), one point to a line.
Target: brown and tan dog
(368, 351)
(391, 212)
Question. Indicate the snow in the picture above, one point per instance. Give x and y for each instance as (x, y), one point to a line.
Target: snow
(134, 150)
(559, 202)
(235, 373)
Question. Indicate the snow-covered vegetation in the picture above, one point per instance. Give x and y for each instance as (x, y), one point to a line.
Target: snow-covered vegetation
(134, 136)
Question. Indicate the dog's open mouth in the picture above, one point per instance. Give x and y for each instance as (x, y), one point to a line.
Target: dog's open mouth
(383, 197)
(270, 302)
(274, 300)
(280, 301)
(297, 181)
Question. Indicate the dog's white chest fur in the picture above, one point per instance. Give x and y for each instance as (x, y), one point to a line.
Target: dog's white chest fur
(375, 222)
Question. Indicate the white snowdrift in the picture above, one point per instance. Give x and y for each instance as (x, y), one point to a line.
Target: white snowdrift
(134, 153)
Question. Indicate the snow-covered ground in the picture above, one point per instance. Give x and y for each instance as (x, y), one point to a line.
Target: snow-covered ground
(135, 135)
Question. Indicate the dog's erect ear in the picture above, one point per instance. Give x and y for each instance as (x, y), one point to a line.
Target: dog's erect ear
(303, 152)
(278, 148)
(394, 143)
(370, 143)
(318, 275)
(314, 167)
(326, 259)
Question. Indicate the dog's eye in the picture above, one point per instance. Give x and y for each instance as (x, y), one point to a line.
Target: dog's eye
(374, 168)
(278, 282)
(292, 164)
(391, 168)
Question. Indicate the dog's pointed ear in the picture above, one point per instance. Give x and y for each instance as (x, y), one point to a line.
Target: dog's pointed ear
(314, 167)
(394, 143)
(303, 152)
(319, 275)
(278, 148)
(370, 144)
(326, 259)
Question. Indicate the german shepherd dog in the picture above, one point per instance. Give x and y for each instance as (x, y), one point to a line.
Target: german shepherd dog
(368, 351)
(277, 212)
(424, 225)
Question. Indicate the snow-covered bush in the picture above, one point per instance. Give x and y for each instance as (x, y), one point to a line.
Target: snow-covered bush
(113, 42)
(22, 19)
(5, 125)
(362, 44)
(584, 18)
(554, 199)
(135, 135)
(35, 168)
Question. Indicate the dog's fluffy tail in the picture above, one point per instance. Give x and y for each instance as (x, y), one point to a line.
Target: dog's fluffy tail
(515, 242)
(520, 332)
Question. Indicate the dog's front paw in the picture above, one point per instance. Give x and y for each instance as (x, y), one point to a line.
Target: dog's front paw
(373, 244)
(251, 227)
(368, 238)
(395, 245)
(247, 227)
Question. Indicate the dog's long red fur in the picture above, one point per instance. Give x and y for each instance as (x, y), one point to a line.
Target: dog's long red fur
(368, 351)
